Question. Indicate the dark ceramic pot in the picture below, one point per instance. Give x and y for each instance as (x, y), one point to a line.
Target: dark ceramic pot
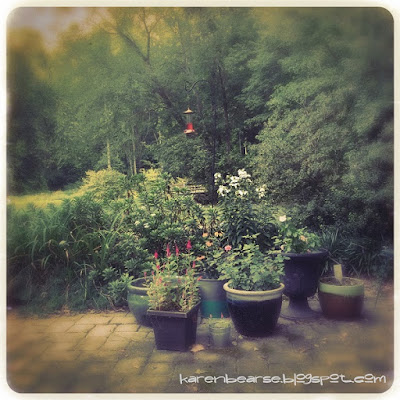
(254, 314)
(302, 273)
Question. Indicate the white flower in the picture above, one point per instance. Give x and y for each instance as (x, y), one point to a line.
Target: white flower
(261, 191)
(234, 181)
(223, 190)
(241, 193)
(282, 218)
(243, 174)
(217, 176)
(137, 223)
(146, 226)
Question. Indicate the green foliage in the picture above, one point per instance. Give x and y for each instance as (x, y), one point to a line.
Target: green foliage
(163, 213)
(105, 185)
(291, 239)
(358, 255)
(327, 143)
(239, 217)
(171, 288)
(249, 269)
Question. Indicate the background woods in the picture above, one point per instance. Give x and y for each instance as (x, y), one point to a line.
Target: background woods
(301, 98)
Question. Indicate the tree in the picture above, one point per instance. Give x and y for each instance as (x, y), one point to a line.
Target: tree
(30, 117)
(327, 144)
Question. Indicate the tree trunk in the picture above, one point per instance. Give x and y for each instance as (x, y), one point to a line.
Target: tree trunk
(108, 154)
(134, 157)
(225, 107)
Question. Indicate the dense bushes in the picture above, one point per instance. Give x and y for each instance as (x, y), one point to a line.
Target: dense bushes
(86, 251)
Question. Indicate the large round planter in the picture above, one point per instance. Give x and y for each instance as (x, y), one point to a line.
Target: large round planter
(213, 298)
(138, 301)
(174, 330)
(302, 273)
(254, 314)
(341, 301)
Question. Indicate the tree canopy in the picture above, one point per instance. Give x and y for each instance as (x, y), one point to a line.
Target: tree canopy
(302, 97)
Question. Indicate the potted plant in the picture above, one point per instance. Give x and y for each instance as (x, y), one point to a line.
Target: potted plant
(254, 291)
(304, 263)
(174, 303)
(341, 297)
(220, 331)
(212, 293)
(138, 300)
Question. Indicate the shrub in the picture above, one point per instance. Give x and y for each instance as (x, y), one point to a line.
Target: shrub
(105, 185)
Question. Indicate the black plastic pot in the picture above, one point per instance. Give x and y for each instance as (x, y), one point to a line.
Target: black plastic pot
(302, 273)
(254, 314)
(174, 330)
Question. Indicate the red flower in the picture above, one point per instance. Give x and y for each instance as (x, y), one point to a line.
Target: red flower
(176, 250)
(158, 267)
(155, 255)
(194, 264)
(168, 251)
(199, 278)
(188, 245)
(145, 274)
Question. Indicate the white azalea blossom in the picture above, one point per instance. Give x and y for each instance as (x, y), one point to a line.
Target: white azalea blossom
(261, 191)
(243, 174)
(282, 218)
(217, 176)
(242, 193)
(137, 223)
(223, 190)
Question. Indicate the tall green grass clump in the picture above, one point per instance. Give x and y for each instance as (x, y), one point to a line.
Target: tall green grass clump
(85, 252)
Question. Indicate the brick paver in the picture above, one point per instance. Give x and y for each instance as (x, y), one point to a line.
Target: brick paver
(111, 353)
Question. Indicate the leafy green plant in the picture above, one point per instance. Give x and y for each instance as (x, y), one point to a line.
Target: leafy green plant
(249, 269)
(173, 285)
(291, 239)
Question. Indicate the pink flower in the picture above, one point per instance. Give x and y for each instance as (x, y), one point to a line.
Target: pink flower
(168, 251)
(228, 247)
(176, 251)
(194, 264)
(155, 255)
(188, 245)
(158, 267)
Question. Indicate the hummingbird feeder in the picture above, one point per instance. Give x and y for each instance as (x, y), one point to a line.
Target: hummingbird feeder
(189, 123)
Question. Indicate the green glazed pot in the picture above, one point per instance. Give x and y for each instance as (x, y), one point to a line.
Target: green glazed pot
(138, 301)
(341, 301)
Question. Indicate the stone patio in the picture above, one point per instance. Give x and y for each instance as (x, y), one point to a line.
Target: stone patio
(109, 352)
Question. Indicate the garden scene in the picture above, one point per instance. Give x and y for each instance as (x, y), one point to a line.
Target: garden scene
(200, 200)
